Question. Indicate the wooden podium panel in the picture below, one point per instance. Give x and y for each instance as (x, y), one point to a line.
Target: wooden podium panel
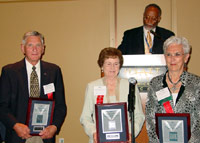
(143, 68)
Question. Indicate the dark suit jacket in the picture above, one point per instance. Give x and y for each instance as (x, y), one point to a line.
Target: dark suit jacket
(1, 138)
(133, 41)
(14, 96)
(2, 132)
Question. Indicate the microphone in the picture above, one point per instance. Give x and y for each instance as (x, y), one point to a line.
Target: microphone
(131, 95)
(156, 35)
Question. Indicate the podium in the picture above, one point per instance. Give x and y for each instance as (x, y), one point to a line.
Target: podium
(143, 68)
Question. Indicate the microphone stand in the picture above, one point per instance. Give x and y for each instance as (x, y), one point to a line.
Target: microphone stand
(131, 108)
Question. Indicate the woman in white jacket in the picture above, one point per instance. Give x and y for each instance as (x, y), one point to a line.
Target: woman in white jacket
(116, 90)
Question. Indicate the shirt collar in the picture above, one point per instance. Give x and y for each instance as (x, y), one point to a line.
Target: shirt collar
(145, 31)
(29, 66)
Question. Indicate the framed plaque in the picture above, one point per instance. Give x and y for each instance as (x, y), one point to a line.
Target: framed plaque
(173, 127)
(39, 114)
(112, 123)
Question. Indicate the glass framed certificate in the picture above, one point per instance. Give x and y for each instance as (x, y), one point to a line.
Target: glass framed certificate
(39, 114)
(173, 127)
(112, 123)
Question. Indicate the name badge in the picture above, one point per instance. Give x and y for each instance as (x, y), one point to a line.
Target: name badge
(49, 88)
(162, 94)
(99, 90)
(164, 98)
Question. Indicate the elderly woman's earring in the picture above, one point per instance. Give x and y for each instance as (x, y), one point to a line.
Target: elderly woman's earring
(101, 69)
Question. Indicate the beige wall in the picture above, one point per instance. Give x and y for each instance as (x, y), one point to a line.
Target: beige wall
(188, 22)
(75, 33)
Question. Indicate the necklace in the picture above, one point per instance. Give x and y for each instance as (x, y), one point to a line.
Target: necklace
(174, 84)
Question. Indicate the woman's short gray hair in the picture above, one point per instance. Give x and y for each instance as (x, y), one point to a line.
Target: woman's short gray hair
(179, 41)
(32, 33)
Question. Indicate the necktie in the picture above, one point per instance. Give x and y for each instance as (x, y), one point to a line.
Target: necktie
(34, 84)
(34, 92)
(149, 40)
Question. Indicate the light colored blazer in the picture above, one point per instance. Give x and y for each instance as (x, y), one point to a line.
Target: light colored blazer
(87, 118)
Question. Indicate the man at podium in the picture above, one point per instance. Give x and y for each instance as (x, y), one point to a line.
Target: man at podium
(146, 39)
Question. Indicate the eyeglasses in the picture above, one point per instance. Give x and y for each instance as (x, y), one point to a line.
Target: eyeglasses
(30, 45)
(176, 55)
(150, 18)
(109, 64)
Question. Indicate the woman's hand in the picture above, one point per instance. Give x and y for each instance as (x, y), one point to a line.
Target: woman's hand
(130, 138)
(95, 137)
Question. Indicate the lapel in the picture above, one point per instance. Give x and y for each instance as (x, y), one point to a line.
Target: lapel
(158, 40)
(23, 78)
(155, 40)
(182, 88)
(164, 86)
(141, 40)
(44, 78)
